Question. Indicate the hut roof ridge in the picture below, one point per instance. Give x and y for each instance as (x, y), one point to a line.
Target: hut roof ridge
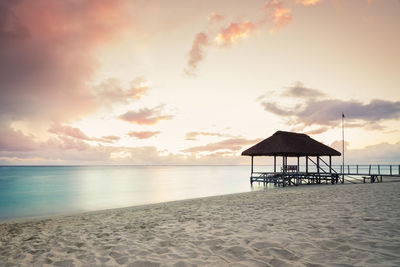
(283, 143)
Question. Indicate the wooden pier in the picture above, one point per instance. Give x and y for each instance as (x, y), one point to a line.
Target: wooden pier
(314, 163)
(352, 174)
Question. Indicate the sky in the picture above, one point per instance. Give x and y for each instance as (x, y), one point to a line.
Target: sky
(195, 82)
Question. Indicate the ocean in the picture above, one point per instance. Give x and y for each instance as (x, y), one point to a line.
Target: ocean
(30, 191)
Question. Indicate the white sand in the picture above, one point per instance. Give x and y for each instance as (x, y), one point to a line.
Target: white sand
(321, 225)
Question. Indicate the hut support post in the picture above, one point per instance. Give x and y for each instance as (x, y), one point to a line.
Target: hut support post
(298, 163)
(330, 164)
(283, 164)
(274, 163)
(307, 164)
(251, 165)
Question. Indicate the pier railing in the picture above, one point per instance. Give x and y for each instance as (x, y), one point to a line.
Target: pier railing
(352, 169)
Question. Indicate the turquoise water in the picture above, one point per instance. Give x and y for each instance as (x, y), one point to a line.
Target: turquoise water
(37, 191)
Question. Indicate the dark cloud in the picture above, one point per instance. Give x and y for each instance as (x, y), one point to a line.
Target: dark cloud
(146, 116)
(327, 112)
(47, 55)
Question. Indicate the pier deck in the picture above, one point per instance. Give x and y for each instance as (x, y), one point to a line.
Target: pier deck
(337, 174)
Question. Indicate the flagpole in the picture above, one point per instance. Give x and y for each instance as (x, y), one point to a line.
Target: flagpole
(343, 147)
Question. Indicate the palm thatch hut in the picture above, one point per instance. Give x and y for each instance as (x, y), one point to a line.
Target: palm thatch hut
(288, 144)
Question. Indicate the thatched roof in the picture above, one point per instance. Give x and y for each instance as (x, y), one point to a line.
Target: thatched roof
(290, 144)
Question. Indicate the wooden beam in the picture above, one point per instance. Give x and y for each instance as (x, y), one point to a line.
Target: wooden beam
(274, 163)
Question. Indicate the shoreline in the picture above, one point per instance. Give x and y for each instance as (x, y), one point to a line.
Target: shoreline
(306, 225)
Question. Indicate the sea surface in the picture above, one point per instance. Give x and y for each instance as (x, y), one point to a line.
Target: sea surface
(30, 191)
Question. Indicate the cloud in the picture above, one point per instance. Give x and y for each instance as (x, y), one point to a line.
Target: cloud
(43, 72)
(299, 90)
(196, 53)
(319, 130)
(193, 135)
(68, 131)
(63, 131)
(273, 12)
(145, 116)
(110, 91)
(143, 134)
(111, 138)
(308, 2)
(326, 111)
(280, 16)
(13, 140)
(233, 32)
(232, 144)
(215, 17)
(383, 153)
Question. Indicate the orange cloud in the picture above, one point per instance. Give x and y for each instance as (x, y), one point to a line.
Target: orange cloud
(308, 2)
(234, 32)
(143, 135)
(280, 16)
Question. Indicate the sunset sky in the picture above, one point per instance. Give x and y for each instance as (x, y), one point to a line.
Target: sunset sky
(195, 82)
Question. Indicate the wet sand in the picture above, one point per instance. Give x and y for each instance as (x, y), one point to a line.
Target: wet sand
(322, 225)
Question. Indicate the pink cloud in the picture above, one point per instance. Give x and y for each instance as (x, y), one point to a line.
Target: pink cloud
(215, 17)
(143, 134)
(110, 91)
(145, 116)
(196, 53)
(232, 144)
(68, 131)
(193, 135)
(48, 55)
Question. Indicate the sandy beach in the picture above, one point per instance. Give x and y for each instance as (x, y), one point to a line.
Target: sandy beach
(324, 225)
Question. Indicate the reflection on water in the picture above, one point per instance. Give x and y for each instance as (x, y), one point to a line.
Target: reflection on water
(35, 191)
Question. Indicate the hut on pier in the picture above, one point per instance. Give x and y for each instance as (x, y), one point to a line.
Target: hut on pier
(296, 145)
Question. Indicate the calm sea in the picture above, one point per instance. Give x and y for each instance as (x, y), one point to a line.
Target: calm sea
(38, 191)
